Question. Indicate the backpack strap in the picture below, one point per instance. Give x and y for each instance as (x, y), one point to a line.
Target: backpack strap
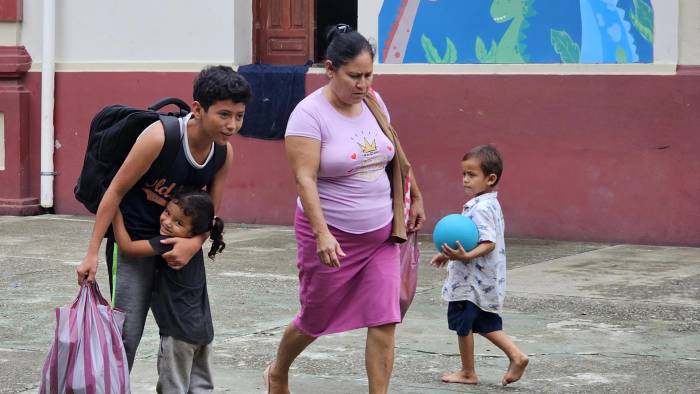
(219, 156)
(219, 160)
(171, 146)
(183, 108)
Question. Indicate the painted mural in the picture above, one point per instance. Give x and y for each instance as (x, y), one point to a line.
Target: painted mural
(516, 31)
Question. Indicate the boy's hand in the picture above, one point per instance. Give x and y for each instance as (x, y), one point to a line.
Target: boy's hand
(87, 269)
(439, 260)
(182, 252)
(456, 254)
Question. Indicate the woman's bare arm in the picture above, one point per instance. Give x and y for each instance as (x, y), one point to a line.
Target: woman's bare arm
(304, 155)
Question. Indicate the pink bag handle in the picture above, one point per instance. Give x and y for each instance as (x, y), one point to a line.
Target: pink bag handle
(98, 294)
(94, 289)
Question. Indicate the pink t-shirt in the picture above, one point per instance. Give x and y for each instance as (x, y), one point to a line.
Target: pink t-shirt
(352, 181)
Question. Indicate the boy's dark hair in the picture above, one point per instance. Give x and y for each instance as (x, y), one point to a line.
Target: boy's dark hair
(345, 44)
(220, 83)
(490, 158)
(199, 207)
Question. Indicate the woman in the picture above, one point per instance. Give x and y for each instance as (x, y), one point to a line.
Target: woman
(347, 255)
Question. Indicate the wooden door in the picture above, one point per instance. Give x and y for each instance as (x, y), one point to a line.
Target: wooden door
(283, 31)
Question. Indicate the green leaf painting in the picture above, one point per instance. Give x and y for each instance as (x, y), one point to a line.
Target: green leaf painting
(621, 55)
(451, 52)
(642, 17)
(432, 54)
(480, 49)
(483, 55)
(565, 46)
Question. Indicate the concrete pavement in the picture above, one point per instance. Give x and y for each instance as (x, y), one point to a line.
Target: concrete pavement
(597, 318)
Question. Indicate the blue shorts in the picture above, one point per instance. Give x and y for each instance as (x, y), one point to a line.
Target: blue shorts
(465, 316)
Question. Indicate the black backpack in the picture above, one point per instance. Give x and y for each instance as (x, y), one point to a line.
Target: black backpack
(113, 132)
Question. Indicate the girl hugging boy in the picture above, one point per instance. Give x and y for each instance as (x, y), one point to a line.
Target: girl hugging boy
(180, 302)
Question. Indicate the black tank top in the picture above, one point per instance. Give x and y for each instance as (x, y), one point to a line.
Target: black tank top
(143, 204)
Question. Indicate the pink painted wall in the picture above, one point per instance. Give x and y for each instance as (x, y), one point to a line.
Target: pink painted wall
(588, 158)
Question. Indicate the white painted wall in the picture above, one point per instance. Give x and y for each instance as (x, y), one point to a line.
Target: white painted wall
(9, 33)
(126, 34)
(689, 43)
(368, 18)
(243, 31)
(666, 15)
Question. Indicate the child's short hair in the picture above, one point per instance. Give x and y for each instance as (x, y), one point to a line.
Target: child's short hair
(199, 207)
(220, 83)
(490, 158)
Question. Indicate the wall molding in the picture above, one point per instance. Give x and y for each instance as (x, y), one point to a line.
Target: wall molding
(688, 70)
(131, 66)
(398, 69)
(11, 10)
(14, 61)
(521, 69)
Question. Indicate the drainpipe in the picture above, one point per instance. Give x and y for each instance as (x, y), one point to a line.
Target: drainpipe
(47, 103)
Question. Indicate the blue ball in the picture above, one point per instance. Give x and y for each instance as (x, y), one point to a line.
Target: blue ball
(454, 228)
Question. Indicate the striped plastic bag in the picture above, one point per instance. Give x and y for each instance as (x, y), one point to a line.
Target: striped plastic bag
(409, 272)
(410, 256)
(87, 354)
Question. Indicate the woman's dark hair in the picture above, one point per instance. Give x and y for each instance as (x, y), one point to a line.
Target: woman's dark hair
(220, 83)
(490, 158)
(344, 44)
(199, 207)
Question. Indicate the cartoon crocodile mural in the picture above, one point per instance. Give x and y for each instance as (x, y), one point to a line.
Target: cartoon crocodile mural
(432, 54)
(397, 41)
(605, 35)
(511, 47)
(642, 17)
(511, 31)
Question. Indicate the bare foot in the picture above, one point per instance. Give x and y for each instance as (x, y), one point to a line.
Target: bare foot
(272, 381)
(515, 369)
(463, 377)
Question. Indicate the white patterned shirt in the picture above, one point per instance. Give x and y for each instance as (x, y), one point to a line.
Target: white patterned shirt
(481, 280)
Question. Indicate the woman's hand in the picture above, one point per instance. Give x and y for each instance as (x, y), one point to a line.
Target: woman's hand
(416, 215)
(439, 260)
(183, 250)
(329, 250)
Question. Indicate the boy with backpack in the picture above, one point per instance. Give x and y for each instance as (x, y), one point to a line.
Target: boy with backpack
(220, 97)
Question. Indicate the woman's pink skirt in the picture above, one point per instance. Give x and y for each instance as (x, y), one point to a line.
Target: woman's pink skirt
(363, 292)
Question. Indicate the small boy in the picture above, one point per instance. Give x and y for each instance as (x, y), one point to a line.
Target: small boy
(476, 281)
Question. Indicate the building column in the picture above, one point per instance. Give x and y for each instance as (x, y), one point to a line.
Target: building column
(15, 61)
